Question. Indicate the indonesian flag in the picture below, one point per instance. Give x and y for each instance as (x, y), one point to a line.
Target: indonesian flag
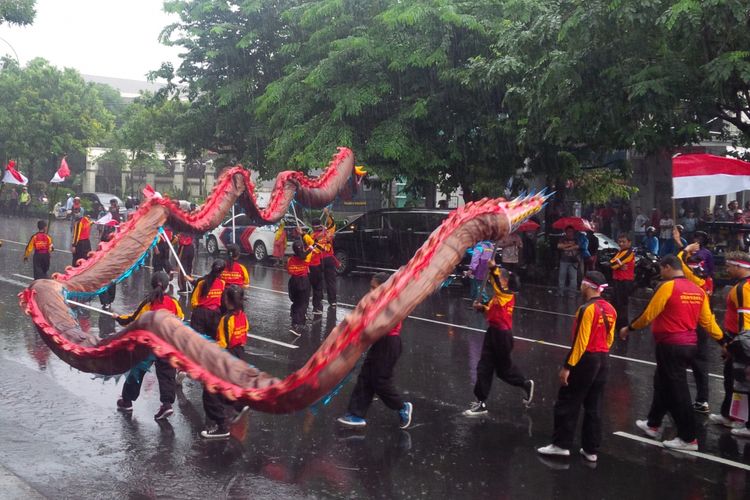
(63, 172)
(695, 175)
(107, 220)
(13, 176)
(150, 192)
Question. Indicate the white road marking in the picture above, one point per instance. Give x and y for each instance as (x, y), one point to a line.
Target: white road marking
(22, 276)
(264, 339)
(698, 454)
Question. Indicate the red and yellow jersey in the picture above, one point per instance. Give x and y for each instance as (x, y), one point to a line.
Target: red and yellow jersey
(41, 242)
(593, 330)
(297, 267)
(184, 240)
(166, 303)
(737, 317)
(212, 299)
(236, 274)
(233, 329)
(82, 229)
(499, 310)
(707, 284)
(623, 265)
(676, 309)
(324, 238)
(314, 256)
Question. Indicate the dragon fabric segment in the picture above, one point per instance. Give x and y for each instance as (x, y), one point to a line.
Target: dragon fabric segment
(168, 338)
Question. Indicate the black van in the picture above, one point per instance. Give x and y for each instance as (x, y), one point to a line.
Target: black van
(386, 239)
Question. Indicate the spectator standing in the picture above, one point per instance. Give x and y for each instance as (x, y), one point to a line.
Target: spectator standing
(13, 201)
(639, 226)
(666, 224)
(690, 223)
(24, 200)
(512, 246)
(570, 257)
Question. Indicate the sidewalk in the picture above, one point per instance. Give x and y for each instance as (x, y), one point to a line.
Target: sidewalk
(13, 487)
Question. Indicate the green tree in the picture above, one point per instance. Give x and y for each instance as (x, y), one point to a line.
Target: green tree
(20, 12)
(46, 113)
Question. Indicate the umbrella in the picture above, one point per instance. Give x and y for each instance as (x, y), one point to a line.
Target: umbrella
(578, 223)
(528, 226)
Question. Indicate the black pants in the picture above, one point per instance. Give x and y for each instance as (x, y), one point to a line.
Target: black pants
(699, 365)
(316, 283)
(165, 375)
(496, 350)
(299, 294)
(160, 261)
(205, 321)
(726, 404)
(329, 276)
(216, 405)
(621, 300)
(40, 262)
(81, 251)
(671, 392)
(585, 388)
(108, 296)
(376, 377)
(187, 255)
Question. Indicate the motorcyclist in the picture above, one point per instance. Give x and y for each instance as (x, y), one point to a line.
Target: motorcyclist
(651, 242)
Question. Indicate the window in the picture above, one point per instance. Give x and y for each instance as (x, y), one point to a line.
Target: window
(371, 222)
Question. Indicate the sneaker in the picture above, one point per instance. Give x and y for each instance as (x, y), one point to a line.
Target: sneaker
(244, 411)
(317, 312)
(350, 420)
(722, 420)
(476, 409)
(180, 377)
(165, 410)
(296, 330)
(332, 306)
(553, 450)
(215, 432)
(106, 307)
(679, 444)
(701, 407)
(742, 432)
(589, 457)
(124, 405)
(528, 386)
(405, 415)
(653, 432)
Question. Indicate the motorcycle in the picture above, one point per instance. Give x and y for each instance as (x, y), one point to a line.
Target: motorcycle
(646, 267)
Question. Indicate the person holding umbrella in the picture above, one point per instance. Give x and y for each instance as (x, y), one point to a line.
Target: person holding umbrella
(570, 261)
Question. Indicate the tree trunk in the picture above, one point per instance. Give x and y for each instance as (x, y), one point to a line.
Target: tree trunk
(430, 194)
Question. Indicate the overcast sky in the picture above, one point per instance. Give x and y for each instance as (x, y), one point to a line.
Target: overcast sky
(114, 38)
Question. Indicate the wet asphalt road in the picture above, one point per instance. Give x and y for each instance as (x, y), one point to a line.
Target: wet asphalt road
(60, 432)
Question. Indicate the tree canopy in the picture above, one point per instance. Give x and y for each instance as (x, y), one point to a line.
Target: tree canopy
(20, 12)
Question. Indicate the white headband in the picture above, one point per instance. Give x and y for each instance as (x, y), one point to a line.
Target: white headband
(591, 284)
(740, 263)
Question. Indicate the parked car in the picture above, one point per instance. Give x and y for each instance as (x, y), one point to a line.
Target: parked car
(103, 199)
(384, 239)
(253, 236)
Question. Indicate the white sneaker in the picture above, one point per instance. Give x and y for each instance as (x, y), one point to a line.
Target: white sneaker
(653, 432)
(553, 450)
(722, 420)
(679, 444)
(742, 432)
(590, 457)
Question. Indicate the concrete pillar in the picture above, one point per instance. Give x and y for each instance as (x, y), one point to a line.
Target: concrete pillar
(89, 177)
(178, 181)
(209, 177)
(125, 179)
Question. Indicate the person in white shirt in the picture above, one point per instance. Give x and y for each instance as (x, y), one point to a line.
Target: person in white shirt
(639, 226)
(69, 203)
(666, 223)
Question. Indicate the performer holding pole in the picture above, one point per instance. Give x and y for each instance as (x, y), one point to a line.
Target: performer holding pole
(41, 245)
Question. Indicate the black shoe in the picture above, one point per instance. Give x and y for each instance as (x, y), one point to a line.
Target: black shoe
(165, 410)
(332, 306)
(124, 405)
(528, 387)
(216, 432)
(701, 407)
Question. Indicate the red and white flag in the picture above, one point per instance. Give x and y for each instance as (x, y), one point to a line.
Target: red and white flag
(63, 172)
(13, 176)
(107, 220)
(150, 192)
(696, 175)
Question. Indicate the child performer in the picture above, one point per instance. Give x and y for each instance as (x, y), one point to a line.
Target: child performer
(157, 300)
(498, 344)
(81, 231)
(298, 267)
(623, 276)
(186, 254)
(206, 300)
(584, 374)
(160, 258)
(235, 273)
(41, 245)
(231, 335)
(376, 377)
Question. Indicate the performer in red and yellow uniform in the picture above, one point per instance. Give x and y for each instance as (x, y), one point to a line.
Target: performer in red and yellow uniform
(158, 300)
(235, 273)
(298, 267)
(41, 245)
(81, 245)
(623, 278)
(498, 344)
(323, 263)
(676, 309)
(186, 254)
(206, 300)
(231, 335)
(584, 374)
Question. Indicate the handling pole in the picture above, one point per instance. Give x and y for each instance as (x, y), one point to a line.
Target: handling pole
(177, 258)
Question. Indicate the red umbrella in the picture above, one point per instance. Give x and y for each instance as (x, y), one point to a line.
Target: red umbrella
(578, 223)
(528, 226)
